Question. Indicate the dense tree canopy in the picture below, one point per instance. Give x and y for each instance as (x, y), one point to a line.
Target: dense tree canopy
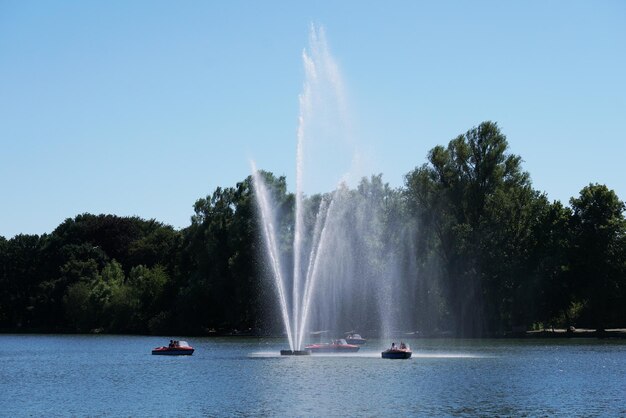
(489, 255)
(598, 253)
(477, 210)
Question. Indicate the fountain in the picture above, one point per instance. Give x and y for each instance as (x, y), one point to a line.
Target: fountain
(337, 258)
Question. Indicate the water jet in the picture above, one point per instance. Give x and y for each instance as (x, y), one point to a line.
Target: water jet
(344, 266)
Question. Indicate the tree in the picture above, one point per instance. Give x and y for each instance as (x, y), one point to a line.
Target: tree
(220, 265)
(599, 252)
(550, 292)
(475, 205)
(21, 275)
(78, 306)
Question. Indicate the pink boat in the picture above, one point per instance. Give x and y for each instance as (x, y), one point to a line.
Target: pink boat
(335, 346)
(176, 348)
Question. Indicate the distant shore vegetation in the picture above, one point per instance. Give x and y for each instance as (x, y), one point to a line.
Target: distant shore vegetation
(494, 256)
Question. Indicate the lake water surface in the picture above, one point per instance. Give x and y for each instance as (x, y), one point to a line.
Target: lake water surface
(97, 375)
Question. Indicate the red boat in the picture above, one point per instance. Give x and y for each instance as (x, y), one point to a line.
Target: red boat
(335, 346)
(403, 351)
(176, 348)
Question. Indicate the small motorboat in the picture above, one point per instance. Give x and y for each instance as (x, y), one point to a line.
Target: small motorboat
(175, 348)
(355, 338)
(335, 346)
(403, 351)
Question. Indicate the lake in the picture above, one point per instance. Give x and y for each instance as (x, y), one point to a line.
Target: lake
(100, 375)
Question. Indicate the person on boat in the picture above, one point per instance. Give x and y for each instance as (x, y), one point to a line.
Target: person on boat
(402, 346)
(393, 346)
(171, 344)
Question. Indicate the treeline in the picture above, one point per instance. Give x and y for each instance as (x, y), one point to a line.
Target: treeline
(509, 258)
(489, 255)
(107, 273)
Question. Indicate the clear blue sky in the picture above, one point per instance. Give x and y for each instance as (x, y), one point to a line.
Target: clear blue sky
(142, 107)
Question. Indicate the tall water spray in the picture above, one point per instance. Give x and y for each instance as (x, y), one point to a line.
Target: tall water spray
(321, 74)
(344, 269)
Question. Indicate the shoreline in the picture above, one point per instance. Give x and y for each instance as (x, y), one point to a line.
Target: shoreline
(575, 333)
(556, 333)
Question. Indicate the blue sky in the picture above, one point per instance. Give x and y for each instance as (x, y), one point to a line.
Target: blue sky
(142, 107)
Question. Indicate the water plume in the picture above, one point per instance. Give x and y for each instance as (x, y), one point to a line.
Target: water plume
(345, 270)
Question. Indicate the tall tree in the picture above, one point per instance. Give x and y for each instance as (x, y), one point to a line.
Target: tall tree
(21, 276)
(475, 204)
(550, 291)
(220, 260)
(599, 252)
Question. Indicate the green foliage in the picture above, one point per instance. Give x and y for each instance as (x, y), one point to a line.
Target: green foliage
(491, 255)
(78, 306)
(550, 287)
(477, 210)
(220, 272)
(598, 253)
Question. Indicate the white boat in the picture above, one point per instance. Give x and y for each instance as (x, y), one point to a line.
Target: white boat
(355, 338)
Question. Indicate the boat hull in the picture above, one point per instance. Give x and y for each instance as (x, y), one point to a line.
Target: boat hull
(335, 346)
(172, 352)
(294, 353)
(396, 354)
(333, 349)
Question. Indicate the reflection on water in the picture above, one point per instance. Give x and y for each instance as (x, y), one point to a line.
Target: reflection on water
(111, 375)
(370, 354)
